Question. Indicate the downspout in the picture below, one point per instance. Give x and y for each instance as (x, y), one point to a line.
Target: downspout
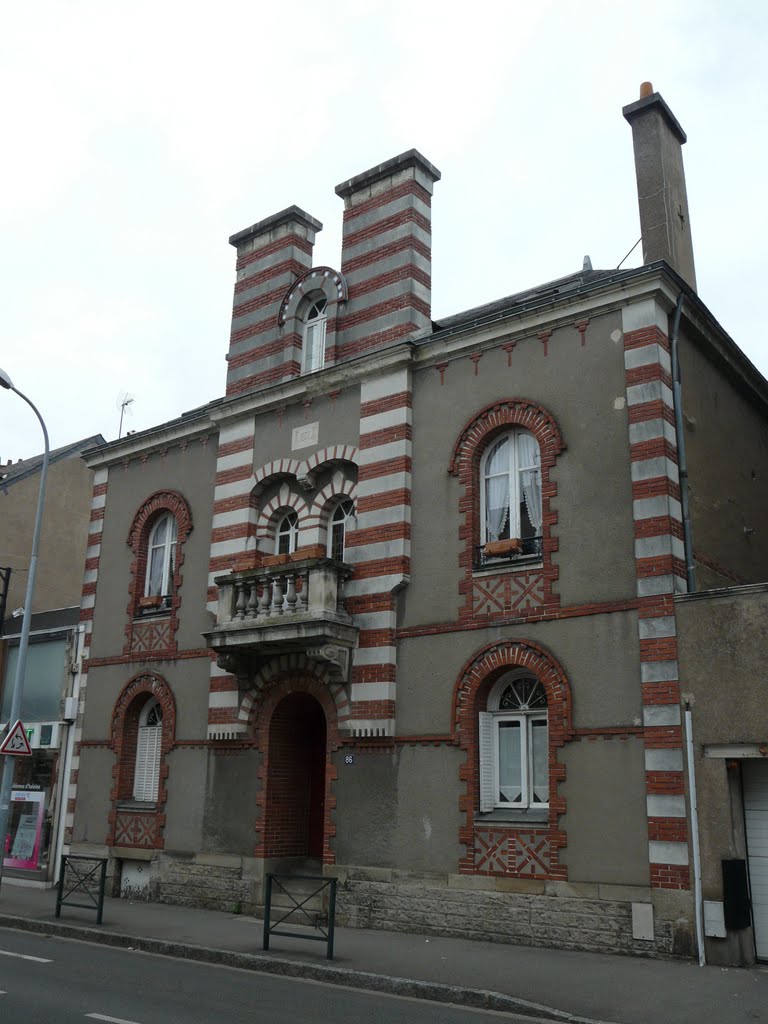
(694, 834)
(69, 750)
(677, 395)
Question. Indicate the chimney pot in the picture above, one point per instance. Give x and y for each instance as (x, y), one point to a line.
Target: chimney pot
(646, 89)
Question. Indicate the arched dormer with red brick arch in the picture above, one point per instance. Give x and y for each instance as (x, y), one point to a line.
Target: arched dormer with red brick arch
(308, 316)
(143, 732)
(157, 537)
(512, 708)
(504, 459)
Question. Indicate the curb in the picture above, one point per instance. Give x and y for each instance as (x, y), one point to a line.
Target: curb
(437, 992)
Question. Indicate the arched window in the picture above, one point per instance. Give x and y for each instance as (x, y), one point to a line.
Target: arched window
(510, 496)
(514, 745)
(146, 778)
(337, 529)
(313, 339)
(287, 534)
(161, 557)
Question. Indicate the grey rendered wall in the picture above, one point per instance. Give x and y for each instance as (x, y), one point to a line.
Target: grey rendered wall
(606, 819)
(726, 437)
(338, 423)
(399, 808)
(230, 802)
(94, 779)
(599, 653)
(191, 473)
(605, 788)
(584, 389)
(66, 517)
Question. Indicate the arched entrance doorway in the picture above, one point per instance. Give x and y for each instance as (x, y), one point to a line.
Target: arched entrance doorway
(295, 805)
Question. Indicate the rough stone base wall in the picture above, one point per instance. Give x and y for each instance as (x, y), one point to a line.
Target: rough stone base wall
(188, 882)
(560, 922)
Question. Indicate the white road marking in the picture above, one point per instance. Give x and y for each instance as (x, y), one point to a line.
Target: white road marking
(111, 1020)
(23, 956)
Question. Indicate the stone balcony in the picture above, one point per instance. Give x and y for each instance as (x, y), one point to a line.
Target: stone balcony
(296, 606)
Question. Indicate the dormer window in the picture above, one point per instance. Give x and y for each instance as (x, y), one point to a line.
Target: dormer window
(314, 337)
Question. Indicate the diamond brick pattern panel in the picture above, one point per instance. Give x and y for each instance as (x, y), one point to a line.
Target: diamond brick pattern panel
(134, 828)
(492, 595)
(516, 854)
(151, 636)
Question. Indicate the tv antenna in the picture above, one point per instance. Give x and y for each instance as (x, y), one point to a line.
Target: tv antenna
(124, 403)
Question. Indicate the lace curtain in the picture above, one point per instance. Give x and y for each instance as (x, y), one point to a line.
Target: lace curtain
(529, 462)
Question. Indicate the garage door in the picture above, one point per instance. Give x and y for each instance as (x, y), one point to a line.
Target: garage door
(756, 817)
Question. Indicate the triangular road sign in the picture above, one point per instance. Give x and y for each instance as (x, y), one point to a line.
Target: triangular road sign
(16, 742)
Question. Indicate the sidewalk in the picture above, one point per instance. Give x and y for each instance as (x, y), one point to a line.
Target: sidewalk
(565, 986)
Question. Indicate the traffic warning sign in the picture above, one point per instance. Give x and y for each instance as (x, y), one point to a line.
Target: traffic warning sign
(16, 742)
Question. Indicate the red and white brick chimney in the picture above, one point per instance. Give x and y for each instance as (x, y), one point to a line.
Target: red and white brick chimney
(271, 255)
(386, 255)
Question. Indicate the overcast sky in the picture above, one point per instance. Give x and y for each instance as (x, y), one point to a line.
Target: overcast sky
(137, 137)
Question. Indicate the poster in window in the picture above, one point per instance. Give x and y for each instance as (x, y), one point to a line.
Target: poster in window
(22, 844)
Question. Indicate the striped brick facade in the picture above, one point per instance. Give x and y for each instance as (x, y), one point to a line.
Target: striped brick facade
(87, 603)
(271, 256)
(380, 547)
(660, 573)
(386, 254)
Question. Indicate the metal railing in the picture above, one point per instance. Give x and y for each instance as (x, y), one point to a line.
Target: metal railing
(324, 923)
(76, 879)
(530, 548)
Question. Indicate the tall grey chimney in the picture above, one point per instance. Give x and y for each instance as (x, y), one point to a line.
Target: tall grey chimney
(664, 221)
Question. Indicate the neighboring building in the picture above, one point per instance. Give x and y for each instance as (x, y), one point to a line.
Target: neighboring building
(405, 602)
(64, 528)
(52, 670)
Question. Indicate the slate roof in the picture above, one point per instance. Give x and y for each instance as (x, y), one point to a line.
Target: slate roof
(10, 475)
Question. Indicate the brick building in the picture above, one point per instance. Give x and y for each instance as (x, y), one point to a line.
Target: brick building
(404, 603)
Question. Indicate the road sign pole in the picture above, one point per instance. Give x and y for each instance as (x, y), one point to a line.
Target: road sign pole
(18, 684)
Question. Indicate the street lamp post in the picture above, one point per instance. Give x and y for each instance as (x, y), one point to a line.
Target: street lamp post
(18, 684)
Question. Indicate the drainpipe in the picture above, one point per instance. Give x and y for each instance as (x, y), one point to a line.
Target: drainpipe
(694, 834)
(68, 752)
(677, 394)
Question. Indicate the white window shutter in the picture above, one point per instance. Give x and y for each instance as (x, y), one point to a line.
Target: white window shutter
(487, 767)
(147, 776)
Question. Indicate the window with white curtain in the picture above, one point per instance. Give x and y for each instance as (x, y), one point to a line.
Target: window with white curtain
(161, 556)
(287, 534)
(146, 779)
(514, 746)
(313, 354)
(337, 529)
(510, 493)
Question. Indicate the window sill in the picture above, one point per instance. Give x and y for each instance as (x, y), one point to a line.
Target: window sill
(136, 805)
(508, 566)
(152, 613)
(504, 817)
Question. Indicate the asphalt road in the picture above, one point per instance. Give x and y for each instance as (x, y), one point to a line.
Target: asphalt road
(46, 980)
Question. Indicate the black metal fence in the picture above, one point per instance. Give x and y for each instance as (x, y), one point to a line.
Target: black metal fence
(78, 881)
(323, 922)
